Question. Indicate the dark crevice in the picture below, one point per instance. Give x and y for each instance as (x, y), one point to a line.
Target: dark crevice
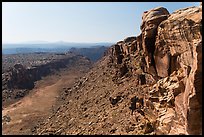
(123, 70)
(201, 27)
(173, 65)
(118, 54)
(142, 79)
(150, 46)
(170, 66)
(133, 104)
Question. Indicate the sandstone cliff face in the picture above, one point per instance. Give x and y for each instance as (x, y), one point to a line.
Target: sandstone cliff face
(179, 47)
(149, 84)
(151, 20)
(170, 44)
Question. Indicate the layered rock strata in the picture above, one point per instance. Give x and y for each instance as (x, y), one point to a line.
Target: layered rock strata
(18, 80)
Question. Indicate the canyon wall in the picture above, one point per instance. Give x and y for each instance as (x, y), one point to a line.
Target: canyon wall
(170, 48)
(18, 80)
(149, 84)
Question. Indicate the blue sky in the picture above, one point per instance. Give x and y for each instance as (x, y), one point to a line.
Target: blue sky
(76, 22)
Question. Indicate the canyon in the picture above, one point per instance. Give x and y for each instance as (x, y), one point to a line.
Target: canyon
(149, 84)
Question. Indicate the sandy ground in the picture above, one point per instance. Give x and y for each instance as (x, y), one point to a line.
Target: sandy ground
(36, 106)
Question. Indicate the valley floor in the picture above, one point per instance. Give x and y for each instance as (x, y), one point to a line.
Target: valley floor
(23, 115)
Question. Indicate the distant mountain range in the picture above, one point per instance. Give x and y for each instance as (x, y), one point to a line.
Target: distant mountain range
(47, 47)
(59, 44)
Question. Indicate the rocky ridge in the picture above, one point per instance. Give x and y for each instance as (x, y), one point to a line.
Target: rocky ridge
(149, 84)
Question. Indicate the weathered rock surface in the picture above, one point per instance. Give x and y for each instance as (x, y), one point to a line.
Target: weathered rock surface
(150, 22)
(179, 46)
(149, 84)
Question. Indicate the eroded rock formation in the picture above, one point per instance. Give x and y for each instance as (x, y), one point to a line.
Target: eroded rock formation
(150, 22)
(170, 44)
(149, 84)
(179, 47)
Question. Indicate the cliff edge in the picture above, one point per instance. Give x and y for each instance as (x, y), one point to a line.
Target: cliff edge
(149, 84)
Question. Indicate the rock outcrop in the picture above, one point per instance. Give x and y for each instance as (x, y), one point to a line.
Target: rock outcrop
(179, 47)
(150, 22)
(170, 44)
(149, 84)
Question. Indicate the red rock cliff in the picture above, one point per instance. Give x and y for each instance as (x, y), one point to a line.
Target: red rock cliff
(171, 49)
(149, 84)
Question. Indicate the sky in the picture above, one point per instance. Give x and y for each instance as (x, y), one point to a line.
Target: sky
(87, 22)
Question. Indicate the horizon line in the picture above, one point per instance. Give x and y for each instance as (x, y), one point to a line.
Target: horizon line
(49, 42)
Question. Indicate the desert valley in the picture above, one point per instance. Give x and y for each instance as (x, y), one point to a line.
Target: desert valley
(150, 84)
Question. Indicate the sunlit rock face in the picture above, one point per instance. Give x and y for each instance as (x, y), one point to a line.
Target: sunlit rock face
(177, 35)
(170, 48)
(178, 46)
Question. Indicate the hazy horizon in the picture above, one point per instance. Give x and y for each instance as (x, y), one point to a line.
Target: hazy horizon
(76, 22)
(57, 42)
